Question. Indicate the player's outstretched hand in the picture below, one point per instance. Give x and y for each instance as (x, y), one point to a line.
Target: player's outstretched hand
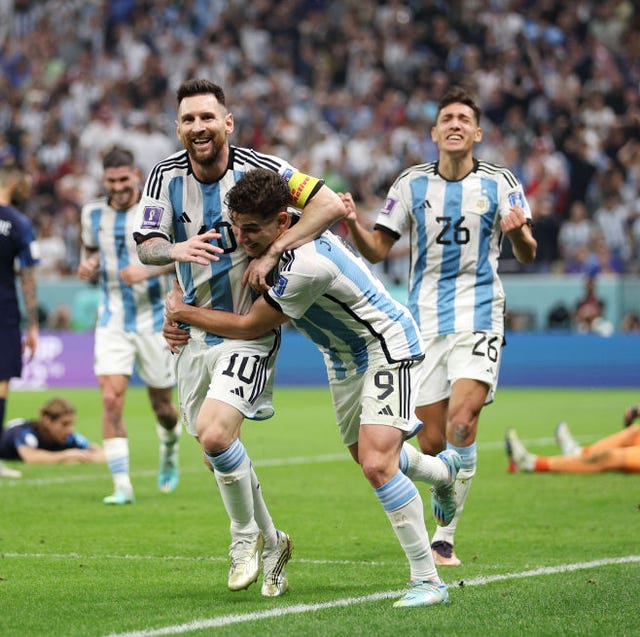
(350, 205)
(198, 248)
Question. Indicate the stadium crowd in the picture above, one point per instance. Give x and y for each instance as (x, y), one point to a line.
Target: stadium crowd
(348, 90)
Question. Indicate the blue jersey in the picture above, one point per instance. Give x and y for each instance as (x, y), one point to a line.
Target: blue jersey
(129, 308)
(18, 247)
(455, 239)
(334, 299)
(176, 206)
(21, 432)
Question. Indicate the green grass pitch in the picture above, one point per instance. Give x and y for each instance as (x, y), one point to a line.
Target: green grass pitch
(542, 554)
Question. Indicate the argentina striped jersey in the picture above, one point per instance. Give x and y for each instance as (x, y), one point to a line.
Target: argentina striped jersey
(176, 206)
(135, 308)
(333, 298)
(455, 240)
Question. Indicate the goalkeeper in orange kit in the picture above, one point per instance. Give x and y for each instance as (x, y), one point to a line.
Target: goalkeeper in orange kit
(617, 452)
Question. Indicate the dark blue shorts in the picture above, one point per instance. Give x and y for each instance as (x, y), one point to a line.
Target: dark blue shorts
(11, 348)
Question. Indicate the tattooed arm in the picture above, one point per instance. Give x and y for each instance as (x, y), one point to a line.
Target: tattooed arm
(196, 249)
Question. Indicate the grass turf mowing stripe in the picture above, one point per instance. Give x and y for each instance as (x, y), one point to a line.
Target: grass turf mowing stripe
(227, 620)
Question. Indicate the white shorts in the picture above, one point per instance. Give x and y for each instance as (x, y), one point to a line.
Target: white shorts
(382, 395)
(474, 355)
(116, 352)
(239, 373)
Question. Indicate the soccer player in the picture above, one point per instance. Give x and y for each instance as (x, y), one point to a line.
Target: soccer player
(18, 247)
(129, 325)
(182, 218)
(48, 439)
(617, 452)
(457, 210)
(372, 350)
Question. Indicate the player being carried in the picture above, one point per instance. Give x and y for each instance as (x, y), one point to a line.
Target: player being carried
(372, 350)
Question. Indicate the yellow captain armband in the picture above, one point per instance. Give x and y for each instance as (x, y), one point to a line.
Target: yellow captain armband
(302, 187)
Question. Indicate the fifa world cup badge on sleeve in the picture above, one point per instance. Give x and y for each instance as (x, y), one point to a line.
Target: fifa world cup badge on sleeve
(280, 285)
(389, 205)
(516, 199)
(151, 217)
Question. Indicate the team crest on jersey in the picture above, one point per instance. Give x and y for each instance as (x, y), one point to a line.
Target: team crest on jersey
(516, 199)
(482, 204)
(151, 217)
(280, 285)
(388, 207)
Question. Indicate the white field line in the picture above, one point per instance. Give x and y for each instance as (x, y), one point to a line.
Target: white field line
(181, 558)
(297, 609)
(268, 462)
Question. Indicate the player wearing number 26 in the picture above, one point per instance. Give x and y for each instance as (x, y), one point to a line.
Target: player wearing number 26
(457, 210)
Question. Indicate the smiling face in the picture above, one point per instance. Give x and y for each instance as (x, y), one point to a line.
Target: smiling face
(123, 186)
(203, 125)
(256, 233)
(456, 130)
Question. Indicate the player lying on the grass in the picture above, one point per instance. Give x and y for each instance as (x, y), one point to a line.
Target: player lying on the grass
(50, 438)
(618, 452)
(373, 354)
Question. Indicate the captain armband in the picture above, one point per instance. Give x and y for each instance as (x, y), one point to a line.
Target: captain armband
(302, 187)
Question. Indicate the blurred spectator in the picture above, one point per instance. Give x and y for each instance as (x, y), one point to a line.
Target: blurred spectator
(575, 236)
(69, 214)
(588, 315)
(52, 248)
(546, 227)
(611, 219)
(351, 83)
(630, 323)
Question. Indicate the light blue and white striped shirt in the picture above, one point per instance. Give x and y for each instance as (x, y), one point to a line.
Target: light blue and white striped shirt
(136, 308)
(455, 244)
(334, 299)
(176, 206)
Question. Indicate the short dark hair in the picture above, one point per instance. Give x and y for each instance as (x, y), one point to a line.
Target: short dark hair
(192, 87)
(459, 95)
(118, 156)
(260, 192)
(10, 173)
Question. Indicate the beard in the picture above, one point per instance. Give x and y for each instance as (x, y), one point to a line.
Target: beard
(208, 158)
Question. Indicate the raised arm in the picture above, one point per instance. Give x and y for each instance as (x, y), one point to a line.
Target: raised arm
(515, 226)
(373, 245)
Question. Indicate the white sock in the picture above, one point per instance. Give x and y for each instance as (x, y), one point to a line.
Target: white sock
(261, 513)
(116, 451)
(403, 506)
(468, 457)
(233, 475)
(422, 467)
(169, 440)
(460, 492)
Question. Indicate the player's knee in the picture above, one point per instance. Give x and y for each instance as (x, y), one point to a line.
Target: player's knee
(112, 402)
(375, 470)
(461, 434)
(214, 439)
